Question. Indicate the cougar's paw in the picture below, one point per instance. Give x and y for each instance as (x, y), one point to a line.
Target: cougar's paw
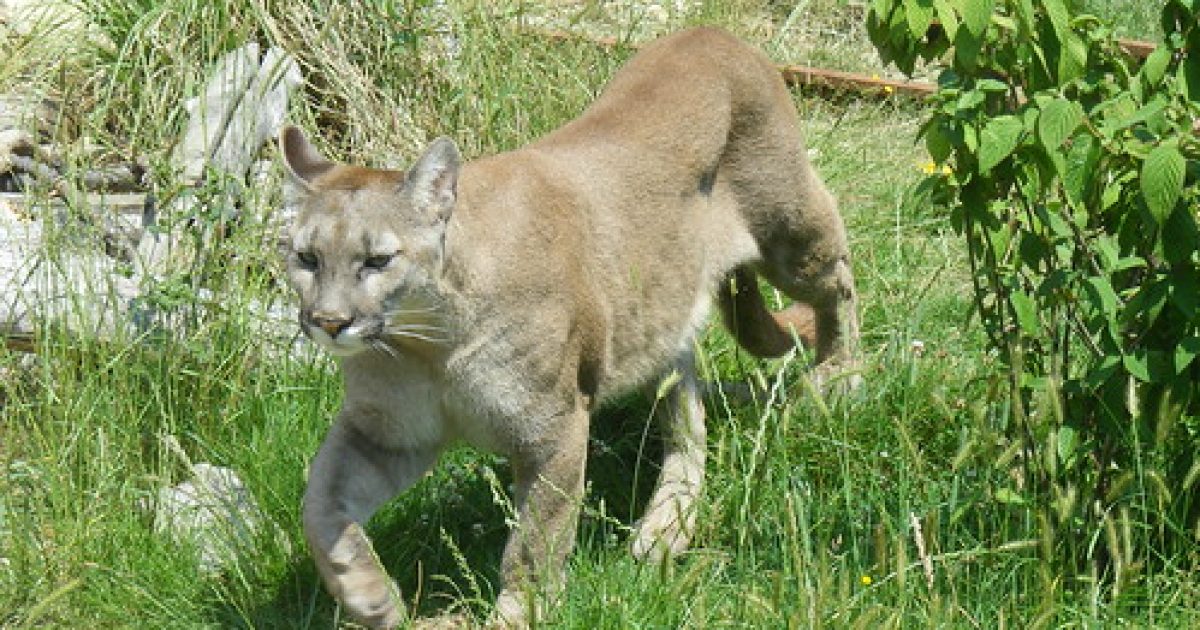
(376, 605)
(356, 578)
(660, 536)
(511, 612)
(836, 379)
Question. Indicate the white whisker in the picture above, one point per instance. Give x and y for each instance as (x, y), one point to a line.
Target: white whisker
(413, 326)
(416, 335)
(386, 349)
(410, 311)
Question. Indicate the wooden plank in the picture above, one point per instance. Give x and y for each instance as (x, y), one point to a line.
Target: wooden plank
(802, 76)
(1136, 48)
(793, 75)
(19, 341)
(807, 76)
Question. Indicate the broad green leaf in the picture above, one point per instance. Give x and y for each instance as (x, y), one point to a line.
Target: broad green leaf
(947, 16)
(1072, 58)
(1068, 441)
(1033, 250)
(1082, 158)
(1059, 16)
(1181, 239)
(1104, 298)
(1178, 15)
(1184, 356)
(938, 143)
(1030, 180)
(970, 139)
(1059, 119)
(1147, 302)
(999, 137)
(1026, 312)
(1129, 262)
(1136, 365)
(1162, 366)
(1110, 257)
(1113, 112)
(1110, 195)
(1185, 292)
(919, 14)
(977, 14)
(970, 99)
(1148, 111)
(1025, 12)
(1189, 70)
(1107, 250)
(1102, 372)
(1162, 179)
(1155, 66)
(966, 50)
(1000, 240)
(991, 85)
(1186, 352)
(1030, 118)
(1051, 217)
(903, 47)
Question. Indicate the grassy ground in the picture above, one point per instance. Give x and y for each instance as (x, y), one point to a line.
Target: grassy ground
(815, 516)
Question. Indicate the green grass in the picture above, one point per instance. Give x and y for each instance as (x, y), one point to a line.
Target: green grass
(808, 520)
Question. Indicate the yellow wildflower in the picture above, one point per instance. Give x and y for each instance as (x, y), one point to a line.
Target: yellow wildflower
(865, 580)
(887, 89)
(931, 168)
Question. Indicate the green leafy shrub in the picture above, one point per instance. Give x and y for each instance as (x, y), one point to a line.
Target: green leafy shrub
(1073, 175)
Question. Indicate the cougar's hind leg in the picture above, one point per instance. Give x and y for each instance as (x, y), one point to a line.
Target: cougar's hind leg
(349, 479)
(809, 260)
(801, 238)
(670, 520)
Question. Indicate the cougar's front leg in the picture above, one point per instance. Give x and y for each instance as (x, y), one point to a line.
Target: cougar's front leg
(670, 520)
(548, 478)
(349, 479)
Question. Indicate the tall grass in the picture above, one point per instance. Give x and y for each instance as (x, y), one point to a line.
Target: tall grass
(816, 515)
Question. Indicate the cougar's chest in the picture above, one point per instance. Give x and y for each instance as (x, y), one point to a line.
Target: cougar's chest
(397, 401)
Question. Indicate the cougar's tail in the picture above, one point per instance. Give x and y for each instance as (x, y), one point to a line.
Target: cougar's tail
(760, 331)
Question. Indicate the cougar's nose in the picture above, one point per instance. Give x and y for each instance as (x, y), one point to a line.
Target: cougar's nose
(332, 324)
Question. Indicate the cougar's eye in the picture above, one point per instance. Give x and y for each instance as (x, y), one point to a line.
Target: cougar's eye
(307, 260)
(378, 262)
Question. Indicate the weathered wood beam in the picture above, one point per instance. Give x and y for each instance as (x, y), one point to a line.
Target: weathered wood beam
(807, 76)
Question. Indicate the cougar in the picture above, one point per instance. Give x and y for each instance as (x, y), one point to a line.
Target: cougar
(500, 301)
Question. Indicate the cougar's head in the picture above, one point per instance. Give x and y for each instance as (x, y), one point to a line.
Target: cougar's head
(365, 251)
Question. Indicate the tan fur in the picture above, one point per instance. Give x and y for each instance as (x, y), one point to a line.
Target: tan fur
(499, 302)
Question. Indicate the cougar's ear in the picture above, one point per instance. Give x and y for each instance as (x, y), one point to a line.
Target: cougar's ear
(301, 159)
(433, 181)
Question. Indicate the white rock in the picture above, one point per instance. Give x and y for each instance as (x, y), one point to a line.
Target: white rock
(213, 511)
(244, 102)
